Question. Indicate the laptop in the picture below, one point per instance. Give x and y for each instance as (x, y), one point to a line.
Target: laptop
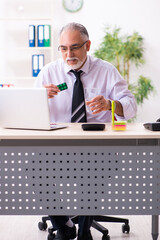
(25, 108)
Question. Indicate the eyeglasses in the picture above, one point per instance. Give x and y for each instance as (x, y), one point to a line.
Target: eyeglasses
(72, 48)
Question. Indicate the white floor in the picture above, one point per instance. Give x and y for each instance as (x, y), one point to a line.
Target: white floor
(26, 228)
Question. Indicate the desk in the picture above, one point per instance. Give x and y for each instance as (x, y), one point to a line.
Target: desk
(75, 172)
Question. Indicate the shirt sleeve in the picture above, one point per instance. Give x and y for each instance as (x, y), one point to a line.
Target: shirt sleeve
(42, 78)
(119, 91)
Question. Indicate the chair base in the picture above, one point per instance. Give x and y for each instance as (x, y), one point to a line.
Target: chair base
(125, 227)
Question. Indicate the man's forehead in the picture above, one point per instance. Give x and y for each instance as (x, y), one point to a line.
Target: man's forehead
(70, 36)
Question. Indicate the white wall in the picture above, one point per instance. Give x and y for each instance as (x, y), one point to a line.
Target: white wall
(142, 16)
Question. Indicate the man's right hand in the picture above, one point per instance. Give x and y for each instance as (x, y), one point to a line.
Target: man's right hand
(52, 90)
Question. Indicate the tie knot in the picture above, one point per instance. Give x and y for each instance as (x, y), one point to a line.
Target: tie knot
(77, 74)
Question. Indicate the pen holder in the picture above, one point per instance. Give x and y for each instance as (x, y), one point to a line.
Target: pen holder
(119, 125)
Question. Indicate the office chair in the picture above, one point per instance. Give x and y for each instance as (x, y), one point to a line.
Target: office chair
(125, 227)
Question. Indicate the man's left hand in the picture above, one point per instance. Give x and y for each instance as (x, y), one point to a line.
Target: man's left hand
(99, 104)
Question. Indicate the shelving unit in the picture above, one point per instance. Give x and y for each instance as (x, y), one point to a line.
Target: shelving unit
(15, 53)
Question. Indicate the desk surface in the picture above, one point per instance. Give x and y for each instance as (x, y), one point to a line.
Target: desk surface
(74, 131)
(64, 178)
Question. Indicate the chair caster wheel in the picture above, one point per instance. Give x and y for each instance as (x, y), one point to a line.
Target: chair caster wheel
(105, 237)
(42, 226)
(125, 228)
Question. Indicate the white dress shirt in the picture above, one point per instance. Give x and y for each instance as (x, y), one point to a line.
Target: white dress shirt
(97, 74)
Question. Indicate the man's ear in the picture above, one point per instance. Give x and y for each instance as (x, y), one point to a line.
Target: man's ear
(88, 44)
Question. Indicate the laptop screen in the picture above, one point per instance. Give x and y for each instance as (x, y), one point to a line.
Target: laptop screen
(25, 108)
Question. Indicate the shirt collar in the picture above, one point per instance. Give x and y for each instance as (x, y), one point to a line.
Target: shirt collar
(66, 68)
(85, 67)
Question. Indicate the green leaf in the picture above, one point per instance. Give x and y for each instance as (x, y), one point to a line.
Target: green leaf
(121, 51)
(142, 89)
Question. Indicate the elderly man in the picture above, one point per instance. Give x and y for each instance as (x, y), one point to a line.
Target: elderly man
(79, 70)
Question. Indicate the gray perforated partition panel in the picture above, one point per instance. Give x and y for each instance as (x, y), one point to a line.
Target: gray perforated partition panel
(69, 180)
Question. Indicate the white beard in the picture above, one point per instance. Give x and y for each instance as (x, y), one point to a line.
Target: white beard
(74, 66)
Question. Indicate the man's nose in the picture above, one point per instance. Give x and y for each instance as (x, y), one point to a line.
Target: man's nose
(70, 53)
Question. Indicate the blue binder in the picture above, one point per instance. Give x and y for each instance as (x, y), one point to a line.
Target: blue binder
(40, 35)
(40, 61)
(31, 35)
(35, 65)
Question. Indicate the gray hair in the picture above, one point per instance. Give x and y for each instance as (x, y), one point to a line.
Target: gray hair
(76, 27)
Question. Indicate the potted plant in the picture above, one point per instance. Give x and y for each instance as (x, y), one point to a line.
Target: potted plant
(124, 52)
